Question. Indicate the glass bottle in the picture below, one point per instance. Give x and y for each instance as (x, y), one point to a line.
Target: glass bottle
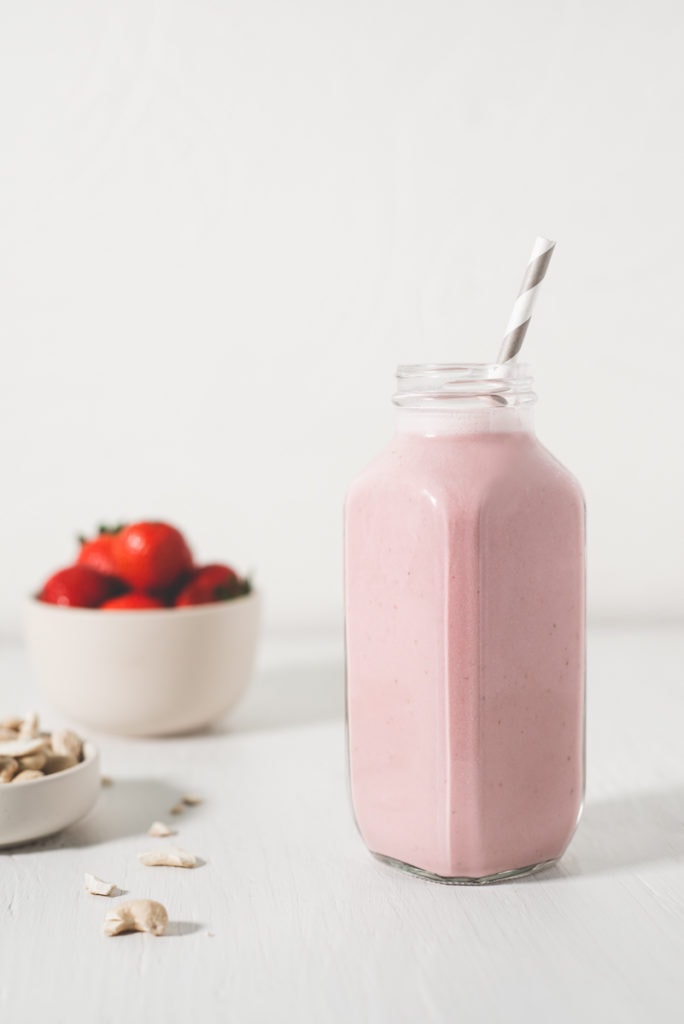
(465, 632)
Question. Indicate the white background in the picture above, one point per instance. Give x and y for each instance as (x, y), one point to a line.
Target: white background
(222, 224)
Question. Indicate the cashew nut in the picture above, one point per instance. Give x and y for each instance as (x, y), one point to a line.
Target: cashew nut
(137, 916)
(160, 828)
(58, 763)
(172, 858)
(8, 769)
(178, 808)
(11, 722)
(28, 730)
(36, 760)
(20, 747)
(27, 775)
(21, 742)
(97, 887)
(191, 800)
(67, 743)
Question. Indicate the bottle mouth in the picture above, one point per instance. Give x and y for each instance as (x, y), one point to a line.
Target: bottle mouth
(463, 385)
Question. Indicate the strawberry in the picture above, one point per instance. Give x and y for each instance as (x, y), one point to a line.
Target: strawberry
(98, 553)
(79, 586)
(128, 602)
(210, 583)
(151, 556)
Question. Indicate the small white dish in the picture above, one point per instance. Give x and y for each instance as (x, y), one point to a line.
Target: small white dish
(156, 672)
(40, 807)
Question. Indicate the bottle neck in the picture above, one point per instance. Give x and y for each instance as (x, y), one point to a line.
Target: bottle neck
(429, 423)
(464, 398)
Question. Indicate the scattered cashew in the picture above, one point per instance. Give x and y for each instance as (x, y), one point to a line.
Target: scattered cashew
(67, 743)
(160, 828)
(137, 916)
(8, 769)
(178, 808)
(191, 800)
(27, 775)
(171, 858)
(97, 887)
(105, 780)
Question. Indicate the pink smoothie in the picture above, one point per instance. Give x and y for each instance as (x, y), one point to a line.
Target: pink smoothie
(464, 568)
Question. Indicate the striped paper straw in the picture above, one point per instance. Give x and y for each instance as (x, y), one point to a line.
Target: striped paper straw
(521, 314)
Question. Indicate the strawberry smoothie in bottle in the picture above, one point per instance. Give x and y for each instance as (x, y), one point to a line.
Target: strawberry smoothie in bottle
(464, 585)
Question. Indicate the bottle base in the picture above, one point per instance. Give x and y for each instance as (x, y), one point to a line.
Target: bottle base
(499, 876)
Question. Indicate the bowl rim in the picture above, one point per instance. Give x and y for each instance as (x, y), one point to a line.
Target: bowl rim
(90, 756)
(211, 607)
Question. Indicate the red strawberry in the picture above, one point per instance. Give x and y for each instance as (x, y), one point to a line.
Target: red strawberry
(128, 602)
(79, 586)
(99, 552)
(210, 583)
(151, 556)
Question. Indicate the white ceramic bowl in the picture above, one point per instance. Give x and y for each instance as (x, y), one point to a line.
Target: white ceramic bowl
(144, 673)
(37, 808)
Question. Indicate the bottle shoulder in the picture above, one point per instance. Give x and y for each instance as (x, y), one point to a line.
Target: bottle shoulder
(463, 468)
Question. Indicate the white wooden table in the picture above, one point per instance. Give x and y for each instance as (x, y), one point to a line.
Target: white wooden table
(290, 919)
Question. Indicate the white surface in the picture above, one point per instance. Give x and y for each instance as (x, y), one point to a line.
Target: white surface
(307, 926)
(223, 224)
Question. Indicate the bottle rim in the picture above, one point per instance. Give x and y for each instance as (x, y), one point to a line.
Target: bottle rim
(432, 385)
